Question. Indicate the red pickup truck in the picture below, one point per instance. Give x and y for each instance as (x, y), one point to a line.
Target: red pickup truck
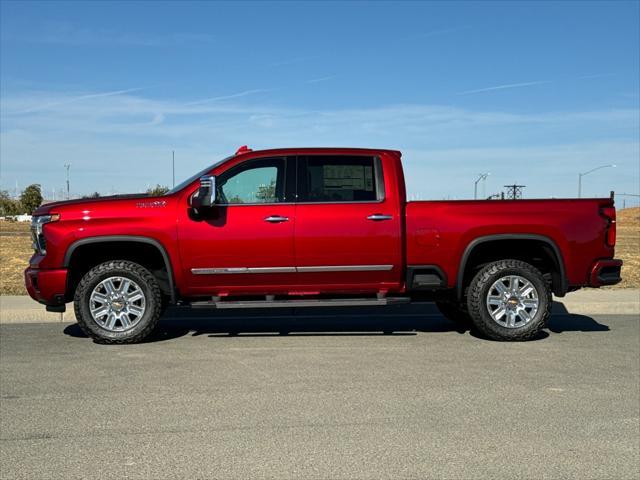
(315, 227)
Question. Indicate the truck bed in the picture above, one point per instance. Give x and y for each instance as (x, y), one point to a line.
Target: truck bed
(439, 232)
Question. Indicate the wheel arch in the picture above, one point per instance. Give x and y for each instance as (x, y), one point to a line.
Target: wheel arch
(559, 278)
(124, 239)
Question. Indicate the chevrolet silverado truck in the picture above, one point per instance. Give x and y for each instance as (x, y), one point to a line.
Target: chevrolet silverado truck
(309, 227)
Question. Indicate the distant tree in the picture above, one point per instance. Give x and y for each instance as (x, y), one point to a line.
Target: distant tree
(8, 206)
(235, 199)
(92, 195)
(31, 198)
(158, 190)
(267, 193)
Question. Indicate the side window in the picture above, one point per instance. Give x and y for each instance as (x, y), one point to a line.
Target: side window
(339, 179)
(257, 181)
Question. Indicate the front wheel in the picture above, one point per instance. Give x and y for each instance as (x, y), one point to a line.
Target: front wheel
(509, 300)
(118, 302)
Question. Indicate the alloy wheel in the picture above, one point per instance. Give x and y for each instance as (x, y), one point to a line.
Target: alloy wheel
(117, 304)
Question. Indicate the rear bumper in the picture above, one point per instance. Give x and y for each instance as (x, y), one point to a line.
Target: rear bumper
(605, 272)
(47, 287)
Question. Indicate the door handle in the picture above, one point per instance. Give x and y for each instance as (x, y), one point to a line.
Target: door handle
(378, 217)
(276, 219)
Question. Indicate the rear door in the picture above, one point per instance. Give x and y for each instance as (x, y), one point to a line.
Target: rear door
(347, 233)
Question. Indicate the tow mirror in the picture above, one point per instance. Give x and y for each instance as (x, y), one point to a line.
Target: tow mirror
(205, 196)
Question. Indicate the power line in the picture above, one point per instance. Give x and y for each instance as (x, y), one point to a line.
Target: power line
(514, 192)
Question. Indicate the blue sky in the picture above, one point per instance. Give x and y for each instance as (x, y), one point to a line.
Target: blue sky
(532, 92)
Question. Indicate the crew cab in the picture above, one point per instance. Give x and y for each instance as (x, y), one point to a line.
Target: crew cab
(309, 227)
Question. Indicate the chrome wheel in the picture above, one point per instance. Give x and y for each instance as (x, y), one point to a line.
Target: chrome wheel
(117, 304)
(512, 301)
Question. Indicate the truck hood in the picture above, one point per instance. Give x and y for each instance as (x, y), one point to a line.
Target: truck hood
(53, 206)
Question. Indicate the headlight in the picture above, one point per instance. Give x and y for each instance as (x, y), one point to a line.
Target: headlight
(37, 222)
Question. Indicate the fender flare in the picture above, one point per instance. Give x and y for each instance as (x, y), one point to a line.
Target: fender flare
(126, 238)
(562, 288)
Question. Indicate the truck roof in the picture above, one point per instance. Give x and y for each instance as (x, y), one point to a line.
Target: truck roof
(316, 150)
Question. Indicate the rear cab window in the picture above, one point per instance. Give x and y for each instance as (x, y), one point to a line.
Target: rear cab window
(339, 178)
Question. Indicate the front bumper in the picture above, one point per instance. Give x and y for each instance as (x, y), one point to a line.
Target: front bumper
(605, 272)
(47, 287)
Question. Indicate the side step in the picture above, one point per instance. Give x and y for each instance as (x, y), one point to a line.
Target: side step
(328, 302)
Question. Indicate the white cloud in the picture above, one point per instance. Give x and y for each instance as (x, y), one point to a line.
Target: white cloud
(504, 87)
(321, 79)
(227, 97)
(64, 101)
(126, 140)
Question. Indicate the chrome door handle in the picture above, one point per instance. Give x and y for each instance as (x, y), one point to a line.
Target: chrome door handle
(378, 217)
(276, 219)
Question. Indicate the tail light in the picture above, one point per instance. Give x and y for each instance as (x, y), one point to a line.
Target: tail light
(610, 235)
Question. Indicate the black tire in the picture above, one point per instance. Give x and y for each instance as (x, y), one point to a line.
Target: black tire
(456, 312)
(479, 290)
(120, 268)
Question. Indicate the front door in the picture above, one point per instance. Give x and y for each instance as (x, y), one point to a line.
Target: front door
(245, 243)
(348, 232)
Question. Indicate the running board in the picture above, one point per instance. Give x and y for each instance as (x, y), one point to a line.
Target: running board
(329, 302)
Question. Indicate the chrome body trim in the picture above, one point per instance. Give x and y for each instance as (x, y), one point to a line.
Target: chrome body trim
(345, 268)
(314, 269)
(236, 270)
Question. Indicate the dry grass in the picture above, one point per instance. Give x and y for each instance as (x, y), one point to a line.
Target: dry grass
(15, 251)
(628, 246)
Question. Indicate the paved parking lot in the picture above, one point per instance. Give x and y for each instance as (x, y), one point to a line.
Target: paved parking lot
(312, 394)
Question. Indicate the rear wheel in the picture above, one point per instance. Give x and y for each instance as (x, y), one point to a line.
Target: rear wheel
(509, 300)
(118, 302)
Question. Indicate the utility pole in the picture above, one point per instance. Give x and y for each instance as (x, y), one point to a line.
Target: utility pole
(67, 166)
(580, 175)
(173, 166)
(483, 177)
(514, 192)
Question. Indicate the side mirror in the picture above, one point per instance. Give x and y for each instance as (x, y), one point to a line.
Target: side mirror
(205, 196)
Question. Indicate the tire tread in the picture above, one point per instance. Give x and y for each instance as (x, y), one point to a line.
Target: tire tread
(155, 302)
(475, 302)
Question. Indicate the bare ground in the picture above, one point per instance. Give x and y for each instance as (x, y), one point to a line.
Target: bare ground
(628, 246)
(15, 251)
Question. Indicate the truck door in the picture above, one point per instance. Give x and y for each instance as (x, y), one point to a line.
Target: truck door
(245, 243)
(348, 233)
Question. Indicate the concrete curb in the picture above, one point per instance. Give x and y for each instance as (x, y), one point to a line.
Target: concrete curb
(22, 309)
(592, 301)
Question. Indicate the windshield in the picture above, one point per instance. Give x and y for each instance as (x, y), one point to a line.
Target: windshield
(194, 177)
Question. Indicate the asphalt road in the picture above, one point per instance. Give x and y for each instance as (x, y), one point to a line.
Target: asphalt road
(322, 395)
